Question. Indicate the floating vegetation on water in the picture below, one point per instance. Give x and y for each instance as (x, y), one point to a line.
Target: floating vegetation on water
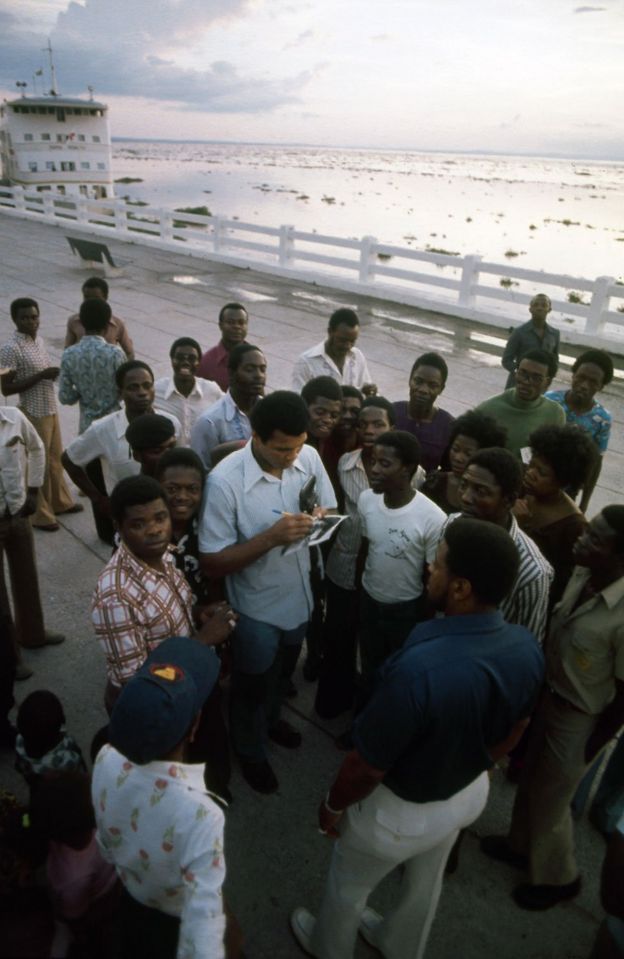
(468, 219)
(328, 199)
(532, 226)
(196, 210)
(573, 297)
(303, 196)
(511, 253)
(507, 282)
(440, 249)
(384, 256)
(620, 309)
(129, 179)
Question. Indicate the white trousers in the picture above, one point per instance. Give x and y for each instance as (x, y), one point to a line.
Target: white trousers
(380, 833)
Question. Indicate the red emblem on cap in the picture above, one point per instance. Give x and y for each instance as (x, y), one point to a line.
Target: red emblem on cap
(172, 674)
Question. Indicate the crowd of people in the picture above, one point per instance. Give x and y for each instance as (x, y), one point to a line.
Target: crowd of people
(455, 604)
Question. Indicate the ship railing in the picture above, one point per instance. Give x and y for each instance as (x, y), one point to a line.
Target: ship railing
(587, 311)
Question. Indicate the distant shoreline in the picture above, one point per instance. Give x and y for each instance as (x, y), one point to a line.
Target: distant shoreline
(585, 158)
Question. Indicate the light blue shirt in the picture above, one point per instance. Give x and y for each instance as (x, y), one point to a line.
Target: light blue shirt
(88, 377)
(240, 501)
(222, 422)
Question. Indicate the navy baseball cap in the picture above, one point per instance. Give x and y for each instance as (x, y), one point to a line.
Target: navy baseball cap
(157, 706)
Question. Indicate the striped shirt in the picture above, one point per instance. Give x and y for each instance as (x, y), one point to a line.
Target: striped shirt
(527, 603)
(27, 357)
(136, 607)
(342, 560)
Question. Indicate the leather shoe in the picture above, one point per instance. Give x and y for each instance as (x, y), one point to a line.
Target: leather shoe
(369, 923)
(76, 508)
(52, 638)
(546, 896)
(47, 527)
(302, 924)
(260, 776)
(285, 735)
(22, 671)
(497, 847)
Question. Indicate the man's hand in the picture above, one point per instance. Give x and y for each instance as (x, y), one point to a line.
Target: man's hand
(50, 373)
(290, 528)
(369, 389)
(523, 509)
(218, 622)
(328, 821)
(30, 504)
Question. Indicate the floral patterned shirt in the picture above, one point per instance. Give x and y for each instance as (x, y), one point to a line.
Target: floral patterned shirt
(596, 422)
(159, 827)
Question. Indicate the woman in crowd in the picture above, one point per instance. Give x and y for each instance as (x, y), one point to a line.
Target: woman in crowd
(470, 432)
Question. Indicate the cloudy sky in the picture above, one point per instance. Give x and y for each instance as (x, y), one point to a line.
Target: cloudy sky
(533, 76)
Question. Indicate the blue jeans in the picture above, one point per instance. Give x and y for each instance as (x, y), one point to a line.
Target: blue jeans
(263, 660)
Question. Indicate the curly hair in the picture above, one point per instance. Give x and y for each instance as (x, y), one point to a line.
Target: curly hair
(598, 358)
(568, 450)
(483, 429)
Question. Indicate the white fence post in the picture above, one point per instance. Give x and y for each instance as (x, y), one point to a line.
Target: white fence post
(18, 196)
(599, 304)
(286, 245)
(48, 205)
(367, 255)
(81, 209)
(121, 216)
(166, 225)
(219, 234)
(469, 279)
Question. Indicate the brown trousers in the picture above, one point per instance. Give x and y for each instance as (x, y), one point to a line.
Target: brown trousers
(541, 823)
(54, 496)
(16, 541)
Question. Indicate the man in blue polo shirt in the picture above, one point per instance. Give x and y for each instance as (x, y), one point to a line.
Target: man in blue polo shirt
(446, 706)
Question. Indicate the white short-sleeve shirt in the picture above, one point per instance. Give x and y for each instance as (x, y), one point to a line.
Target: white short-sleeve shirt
(401, 541)
(240, 501)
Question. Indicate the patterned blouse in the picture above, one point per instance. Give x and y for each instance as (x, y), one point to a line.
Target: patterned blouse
(27, 357)
(159, 827)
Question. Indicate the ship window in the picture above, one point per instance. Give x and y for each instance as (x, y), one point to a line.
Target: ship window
(81, 138)
(60, 114)
(67, 166)
(60, 138)
(28, 137)
(51, 166)
(45, 136)
(101, 166)
(32, 166)
(97, 139)
(85, 166)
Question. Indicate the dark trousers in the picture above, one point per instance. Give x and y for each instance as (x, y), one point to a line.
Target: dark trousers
(103, 524)
(16, 542)
(336, 686)
(384, 627)
(8, 662)
(146, 933)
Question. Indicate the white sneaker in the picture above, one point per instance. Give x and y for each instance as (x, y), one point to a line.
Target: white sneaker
(369, 924)
(302, 924)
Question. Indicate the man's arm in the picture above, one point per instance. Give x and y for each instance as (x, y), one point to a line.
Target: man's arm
(301, 375)
(515, 735)
(71, 336)
(124, 340)
(204, 438)
(121, 635)
(510, 353)
(82, 481)
(288, 529)
(355, 781)
(68, 394)
(609, 723)
(9, 385)
(202, 923)
(531, 606)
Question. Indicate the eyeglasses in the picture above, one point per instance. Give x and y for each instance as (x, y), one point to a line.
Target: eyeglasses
(534, 378)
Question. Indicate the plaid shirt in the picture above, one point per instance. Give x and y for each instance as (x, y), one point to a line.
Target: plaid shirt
(135, 608)
(27, 357)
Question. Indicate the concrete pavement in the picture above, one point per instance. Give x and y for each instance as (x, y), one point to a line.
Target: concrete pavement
(276, 858)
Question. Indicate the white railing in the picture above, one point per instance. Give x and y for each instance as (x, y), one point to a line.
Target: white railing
(586, 311)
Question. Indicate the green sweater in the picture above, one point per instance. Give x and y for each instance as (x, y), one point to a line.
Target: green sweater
(520, 417)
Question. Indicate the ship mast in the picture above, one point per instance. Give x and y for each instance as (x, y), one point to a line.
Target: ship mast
(48, 50)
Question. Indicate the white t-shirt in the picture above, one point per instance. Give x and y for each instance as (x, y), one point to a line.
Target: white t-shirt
(401, 541)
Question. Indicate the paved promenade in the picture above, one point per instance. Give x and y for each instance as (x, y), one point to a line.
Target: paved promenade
(276, 858)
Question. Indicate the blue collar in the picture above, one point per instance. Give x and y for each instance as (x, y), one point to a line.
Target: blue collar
(445, 626)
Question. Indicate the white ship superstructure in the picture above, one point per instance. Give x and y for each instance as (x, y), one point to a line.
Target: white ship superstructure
(56, 143)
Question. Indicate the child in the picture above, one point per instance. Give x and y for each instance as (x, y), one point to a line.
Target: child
(42, 746)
